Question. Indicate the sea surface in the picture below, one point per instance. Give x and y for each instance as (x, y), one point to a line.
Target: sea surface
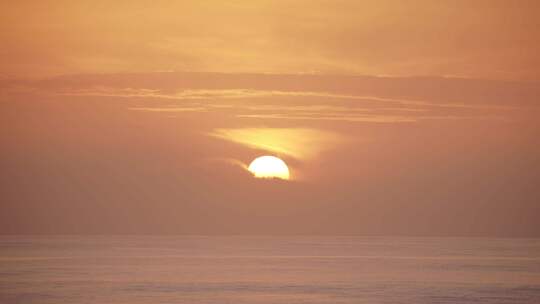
(238, 269)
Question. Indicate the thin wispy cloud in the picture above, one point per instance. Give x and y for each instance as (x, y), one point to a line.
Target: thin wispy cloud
(299, 143)
(346, 118)
(175, 109)
(209, 94)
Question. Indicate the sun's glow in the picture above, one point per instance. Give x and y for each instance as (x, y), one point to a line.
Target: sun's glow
(298, 143)
(269, 167)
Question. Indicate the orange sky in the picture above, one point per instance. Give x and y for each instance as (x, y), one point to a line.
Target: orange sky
(416, 118)
(478, 39)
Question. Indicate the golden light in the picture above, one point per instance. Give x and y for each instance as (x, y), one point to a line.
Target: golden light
(298, 143)
(269, 167)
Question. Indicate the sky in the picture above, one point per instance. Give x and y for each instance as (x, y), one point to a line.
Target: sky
(395, 118)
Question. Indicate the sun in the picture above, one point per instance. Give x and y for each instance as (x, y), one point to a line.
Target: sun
(269, 167)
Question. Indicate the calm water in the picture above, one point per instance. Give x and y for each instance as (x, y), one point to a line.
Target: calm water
(131, 269)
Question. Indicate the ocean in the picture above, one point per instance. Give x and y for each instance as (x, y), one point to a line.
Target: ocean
(267, 269)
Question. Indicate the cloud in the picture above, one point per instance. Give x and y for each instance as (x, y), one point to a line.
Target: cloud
(266, 105)
(299, 143)
(206, 94)
(300, 97)
(347, 118)
(176, 109)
